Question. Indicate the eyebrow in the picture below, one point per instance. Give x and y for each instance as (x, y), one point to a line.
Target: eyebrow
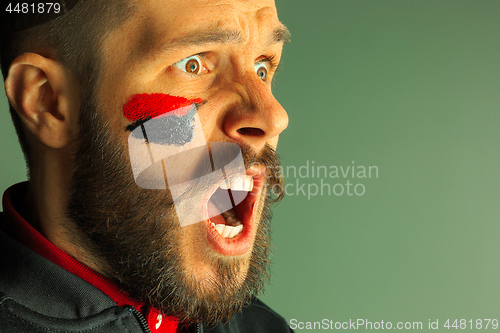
(215, 34)
(281, 34)
(207, 36)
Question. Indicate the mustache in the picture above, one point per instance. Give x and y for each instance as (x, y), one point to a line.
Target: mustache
(270, 158)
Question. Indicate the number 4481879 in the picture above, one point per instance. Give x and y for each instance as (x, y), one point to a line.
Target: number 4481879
(477, 324)
(39, 8)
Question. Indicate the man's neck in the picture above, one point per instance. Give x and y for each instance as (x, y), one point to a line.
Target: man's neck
(47, 216)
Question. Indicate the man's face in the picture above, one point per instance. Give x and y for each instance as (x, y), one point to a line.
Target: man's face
(223, 54)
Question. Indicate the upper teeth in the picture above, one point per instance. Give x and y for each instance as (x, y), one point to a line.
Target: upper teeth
(238, 183)
(228, 231)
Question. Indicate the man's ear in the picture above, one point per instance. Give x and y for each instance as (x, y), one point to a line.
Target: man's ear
(44, 94)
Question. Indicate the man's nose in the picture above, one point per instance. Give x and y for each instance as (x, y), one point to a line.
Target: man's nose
(257, 117)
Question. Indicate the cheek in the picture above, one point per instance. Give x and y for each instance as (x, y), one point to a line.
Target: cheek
(144, 106)
(163, 126)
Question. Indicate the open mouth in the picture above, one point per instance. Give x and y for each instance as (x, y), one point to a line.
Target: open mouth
(231, 231)
(228, 224)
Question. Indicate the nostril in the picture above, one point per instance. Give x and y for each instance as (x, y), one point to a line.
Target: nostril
(250, 131)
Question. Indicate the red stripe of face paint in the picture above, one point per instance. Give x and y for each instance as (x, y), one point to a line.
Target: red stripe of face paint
(142, 106)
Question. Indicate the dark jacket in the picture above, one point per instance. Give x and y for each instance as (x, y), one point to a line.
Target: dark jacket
(38, 296)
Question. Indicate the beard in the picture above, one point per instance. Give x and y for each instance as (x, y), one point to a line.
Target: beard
(134, 236)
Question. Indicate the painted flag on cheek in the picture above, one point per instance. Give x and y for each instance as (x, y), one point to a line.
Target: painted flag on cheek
(168, 150)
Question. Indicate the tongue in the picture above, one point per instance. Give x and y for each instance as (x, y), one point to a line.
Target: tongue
(230, 217)
(218, 219)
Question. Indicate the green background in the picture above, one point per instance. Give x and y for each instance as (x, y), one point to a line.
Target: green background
(411, 87)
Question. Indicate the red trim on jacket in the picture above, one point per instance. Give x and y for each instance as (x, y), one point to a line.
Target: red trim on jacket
(19, 229)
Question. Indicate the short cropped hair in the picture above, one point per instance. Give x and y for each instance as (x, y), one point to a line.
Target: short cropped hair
(72, 37)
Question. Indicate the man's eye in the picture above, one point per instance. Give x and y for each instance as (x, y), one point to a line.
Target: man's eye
(261, 70)
(191, 65)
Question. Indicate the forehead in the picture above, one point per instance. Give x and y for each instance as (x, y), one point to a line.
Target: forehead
(184, 13)
(199, 8)
(157, 23)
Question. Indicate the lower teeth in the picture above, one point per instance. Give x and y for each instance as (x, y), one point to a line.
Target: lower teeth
(228, 231)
